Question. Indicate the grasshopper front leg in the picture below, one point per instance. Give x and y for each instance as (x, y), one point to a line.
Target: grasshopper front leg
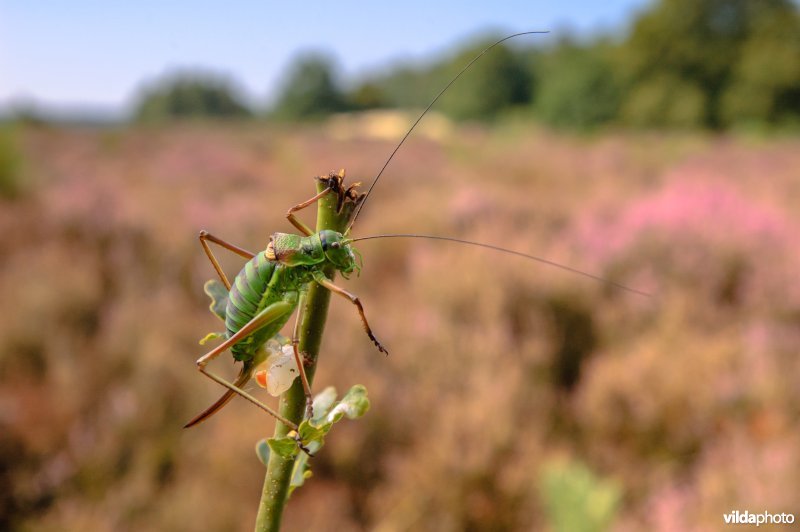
(333, 186)
(295, 221)
(320, 278)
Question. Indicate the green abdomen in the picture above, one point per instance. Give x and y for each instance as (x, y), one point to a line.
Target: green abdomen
(253, 289)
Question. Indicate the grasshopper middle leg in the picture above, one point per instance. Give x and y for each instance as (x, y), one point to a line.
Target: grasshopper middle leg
(299, 360)
(206, 237)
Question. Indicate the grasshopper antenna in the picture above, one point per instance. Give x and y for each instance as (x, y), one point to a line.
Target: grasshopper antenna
(391, 156)
(510, 252)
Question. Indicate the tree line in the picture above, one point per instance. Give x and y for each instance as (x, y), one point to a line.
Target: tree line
(712, 64)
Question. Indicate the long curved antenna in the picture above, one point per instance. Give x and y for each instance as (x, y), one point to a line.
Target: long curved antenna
(377, 177)
(510, 252)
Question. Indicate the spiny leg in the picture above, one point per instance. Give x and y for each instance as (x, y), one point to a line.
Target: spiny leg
(320, 278)
(300, 206)
(247, 396)
(295, 221)
(299, 359)
(263, 318)
(244, 376)
(205, 235)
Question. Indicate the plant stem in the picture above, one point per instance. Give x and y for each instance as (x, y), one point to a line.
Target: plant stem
(292, 403)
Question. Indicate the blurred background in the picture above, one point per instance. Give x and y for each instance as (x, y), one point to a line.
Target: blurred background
(654, 143)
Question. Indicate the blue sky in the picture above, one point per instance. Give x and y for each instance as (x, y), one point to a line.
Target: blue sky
(84, 53)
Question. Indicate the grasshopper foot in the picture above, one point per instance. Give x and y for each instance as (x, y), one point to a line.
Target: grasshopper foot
(377, 343)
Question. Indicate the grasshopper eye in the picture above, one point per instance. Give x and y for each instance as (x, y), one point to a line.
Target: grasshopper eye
(336, 245)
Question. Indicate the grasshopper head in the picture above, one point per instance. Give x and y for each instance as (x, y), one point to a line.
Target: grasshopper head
(338, 251)
(295, 250)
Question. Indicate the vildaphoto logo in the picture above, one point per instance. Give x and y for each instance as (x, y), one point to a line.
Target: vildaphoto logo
(764, 518)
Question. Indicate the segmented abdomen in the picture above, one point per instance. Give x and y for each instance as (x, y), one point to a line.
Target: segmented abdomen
(245, 296)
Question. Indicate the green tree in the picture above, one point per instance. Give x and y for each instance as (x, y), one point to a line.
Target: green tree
(578, 87)
(766, 81)
(409, 86)
(666, 100)
(502, 79)
(368, 95)
(689, 49)
(310, 91)
(190, 96)
(496, 83)
(11, 171)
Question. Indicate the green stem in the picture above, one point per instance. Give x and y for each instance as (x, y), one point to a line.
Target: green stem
(292, 404)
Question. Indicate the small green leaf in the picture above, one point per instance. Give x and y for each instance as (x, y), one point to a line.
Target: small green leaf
(211, 336)
(219, 297)
(284, 447)
(310, 433)
(323, 403)
(262, 451)
(300, 472)
(353, 405)
(575, 498)
(302, 467)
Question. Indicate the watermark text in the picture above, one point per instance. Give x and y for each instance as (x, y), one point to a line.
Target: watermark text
(746, 517)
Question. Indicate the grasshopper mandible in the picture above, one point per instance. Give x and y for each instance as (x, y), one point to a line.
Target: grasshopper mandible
(273, 283)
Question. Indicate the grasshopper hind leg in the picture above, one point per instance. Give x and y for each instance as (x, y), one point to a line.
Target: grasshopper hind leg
(240, 381)
(233, 389)
(265, 317)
